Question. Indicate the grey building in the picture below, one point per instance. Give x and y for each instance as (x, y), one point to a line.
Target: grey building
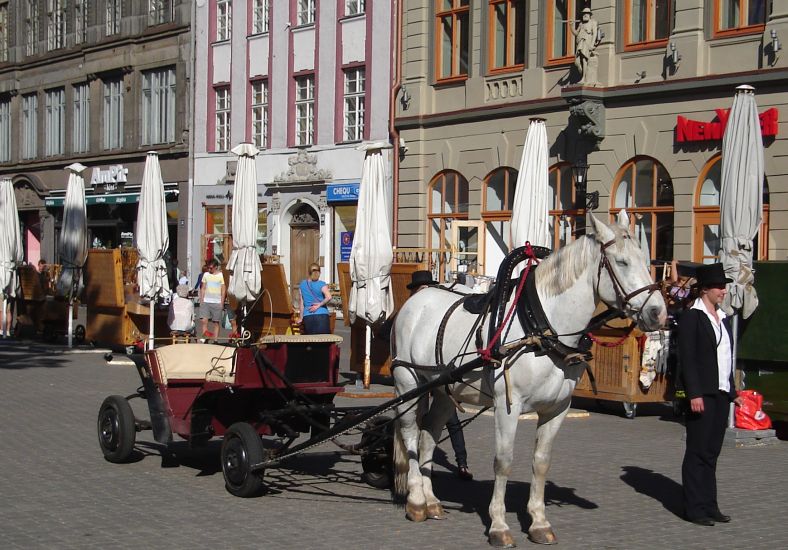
(100, 83)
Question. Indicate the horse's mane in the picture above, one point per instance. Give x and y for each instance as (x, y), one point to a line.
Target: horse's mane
(560, 270)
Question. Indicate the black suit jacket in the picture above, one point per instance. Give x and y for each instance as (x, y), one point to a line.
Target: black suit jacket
(698, 354)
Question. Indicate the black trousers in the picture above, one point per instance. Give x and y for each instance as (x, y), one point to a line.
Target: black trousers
(457, 440)
(705, 433)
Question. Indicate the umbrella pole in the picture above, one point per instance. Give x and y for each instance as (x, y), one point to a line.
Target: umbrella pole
(71, 323)
(2, 327)
(150, 326)
(735, 345)
(367, 346)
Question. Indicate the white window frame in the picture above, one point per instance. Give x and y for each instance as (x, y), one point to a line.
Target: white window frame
(81, 121)
(260, 113)
(31, 27)
(158, 106)
(355, 7)
(354, 102)
(5, 130)
(224, 20)
(113, 16)
(113, 113)
(56, 24)
(3, 32)
(305, 110)
(223, 106)
(305, 12)
(55, 122)
(29, 126)
(260, 15)
(81, 8)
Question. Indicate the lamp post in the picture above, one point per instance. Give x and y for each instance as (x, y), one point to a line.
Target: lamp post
(580, 171)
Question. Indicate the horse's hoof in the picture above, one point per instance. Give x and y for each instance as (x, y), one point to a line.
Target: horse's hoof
(435, 511)
(542, 535)
(502, 539)
(416, 513)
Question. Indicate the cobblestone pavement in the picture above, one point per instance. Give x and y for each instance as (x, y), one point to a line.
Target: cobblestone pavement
(614, 483)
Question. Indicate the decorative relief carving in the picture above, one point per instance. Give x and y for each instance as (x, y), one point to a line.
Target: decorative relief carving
(503, 88)
(590, 118)
(303, 167)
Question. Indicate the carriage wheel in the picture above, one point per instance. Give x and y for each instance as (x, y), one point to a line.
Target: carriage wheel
(116, 429)
(79, 334)
(630, 409)
(376, 463)
(241, 448)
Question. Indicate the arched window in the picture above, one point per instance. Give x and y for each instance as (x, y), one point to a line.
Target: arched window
(562, 204)
(706, 210)
(645, 189)
(448, 200)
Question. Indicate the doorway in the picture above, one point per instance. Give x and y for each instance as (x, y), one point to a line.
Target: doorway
(304, 245)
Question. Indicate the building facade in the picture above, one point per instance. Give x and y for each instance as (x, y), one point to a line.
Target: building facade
(306, 82)
(100, 83)
(644, 107)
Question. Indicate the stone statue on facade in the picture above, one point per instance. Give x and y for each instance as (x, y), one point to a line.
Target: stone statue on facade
(586, 40)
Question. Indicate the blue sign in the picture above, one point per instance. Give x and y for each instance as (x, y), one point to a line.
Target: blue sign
(345, 245)
(342, 192)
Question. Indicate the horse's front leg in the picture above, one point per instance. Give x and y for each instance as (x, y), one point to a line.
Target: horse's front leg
(549, 423)
(505, 431)
(406, 449)
(432, 427)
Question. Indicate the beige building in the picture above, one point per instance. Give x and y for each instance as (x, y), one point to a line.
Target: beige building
(647, 123)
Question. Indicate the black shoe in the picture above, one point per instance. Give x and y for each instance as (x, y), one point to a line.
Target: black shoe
(720, 517)
(708, 522)
(464, 473)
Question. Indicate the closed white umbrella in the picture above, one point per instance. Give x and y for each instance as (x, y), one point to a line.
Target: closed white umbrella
(11, 253)
(371, 296)
(73, 243)
(244, 263)
(741, 199)
(530, 210)
(152, 237)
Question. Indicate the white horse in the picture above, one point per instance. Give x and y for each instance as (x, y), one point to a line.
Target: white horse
(608, 266)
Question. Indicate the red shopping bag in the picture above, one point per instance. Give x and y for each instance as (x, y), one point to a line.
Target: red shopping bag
(750, 416)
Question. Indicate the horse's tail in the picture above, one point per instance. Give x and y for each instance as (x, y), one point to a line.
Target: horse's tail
(400, 488)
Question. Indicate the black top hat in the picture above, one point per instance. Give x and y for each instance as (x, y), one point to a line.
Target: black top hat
(711, 275)
(420, 278)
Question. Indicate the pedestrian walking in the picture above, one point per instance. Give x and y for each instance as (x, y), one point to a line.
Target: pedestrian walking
(314, 298)
(213, 293)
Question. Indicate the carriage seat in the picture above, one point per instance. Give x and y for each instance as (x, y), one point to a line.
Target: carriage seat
(209, 362)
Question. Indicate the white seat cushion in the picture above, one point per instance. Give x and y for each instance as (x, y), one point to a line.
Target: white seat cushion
(209, 362)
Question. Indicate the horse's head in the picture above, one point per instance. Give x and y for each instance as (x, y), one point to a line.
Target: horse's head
(623, 278)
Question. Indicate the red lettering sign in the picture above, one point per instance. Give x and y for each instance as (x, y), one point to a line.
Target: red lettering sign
(693, 130)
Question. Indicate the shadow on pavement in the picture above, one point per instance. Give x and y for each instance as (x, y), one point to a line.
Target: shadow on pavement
(657, 486)
(15, 355)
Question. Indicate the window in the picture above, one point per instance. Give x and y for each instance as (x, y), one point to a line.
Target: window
(222, 142)
(448, 201)
(354, 104)
(5, 130)
(29, 125)
(56, 24)
(306, 12)
(31, 27)
(55, 137)
(354, 7)
(80, 21)
(645, 189)
(706, 227)
(159, 12)
(561, 15)
(81, 122)
(260, 16)
(260, 113)
(305, 110)
(224, 20)
(497, 198)
(3, 33)
(650, 22)
(562, 208)
(113, 15)
(158, 106)
(452, 32)
(506, 44)
(113, 113)
(734, 16)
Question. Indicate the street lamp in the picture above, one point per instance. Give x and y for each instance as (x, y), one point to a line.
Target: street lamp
(580, 171)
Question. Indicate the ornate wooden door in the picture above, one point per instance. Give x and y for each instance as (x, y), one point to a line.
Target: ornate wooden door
(304, 249)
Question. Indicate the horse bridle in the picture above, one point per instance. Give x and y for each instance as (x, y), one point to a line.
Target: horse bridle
(621, 296)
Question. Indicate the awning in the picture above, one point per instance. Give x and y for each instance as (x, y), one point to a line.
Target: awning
(118, 198)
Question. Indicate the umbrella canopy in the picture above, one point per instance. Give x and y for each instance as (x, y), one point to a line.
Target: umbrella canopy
(11, 253)
(741, 199)
(530, 210)
(371, 296)
(152, 237)
(73, 243)
(244, 264)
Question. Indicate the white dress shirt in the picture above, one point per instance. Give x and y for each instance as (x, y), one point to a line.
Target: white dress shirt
(724, 352)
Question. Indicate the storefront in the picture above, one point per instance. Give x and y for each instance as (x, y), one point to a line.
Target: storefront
(342, 198)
